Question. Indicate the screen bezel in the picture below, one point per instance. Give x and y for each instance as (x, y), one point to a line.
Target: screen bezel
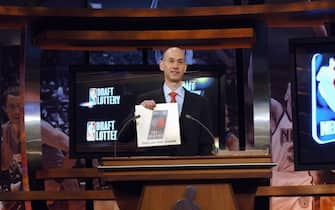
(311, 45)
(107, 149)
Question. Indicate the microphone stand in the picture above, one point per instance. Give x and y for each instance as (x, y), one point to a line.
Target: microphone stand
(214, 150)
(124, 126)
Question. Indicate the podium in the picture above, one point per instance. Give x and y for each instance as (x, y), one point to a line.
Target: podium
(217, 182)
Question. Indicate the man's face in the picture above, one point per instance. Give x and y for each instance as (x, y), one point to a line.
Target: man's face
(13, 108)
(173, 65)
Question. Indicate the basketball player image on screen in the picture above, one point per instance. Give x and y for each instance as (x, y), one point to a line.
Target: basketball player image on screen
(323, 100)
(326, 79)
(92, 96)
(11, 155)
(55, 154)
(282, 153)
(91, 128)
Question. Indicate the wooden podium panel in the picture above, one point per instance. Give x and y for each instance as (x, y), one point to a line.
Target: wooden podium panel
(207, 196)
(220, 182)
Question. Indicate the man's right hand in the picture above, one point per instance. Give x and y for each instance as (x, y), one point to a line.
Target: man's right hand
(149, 104)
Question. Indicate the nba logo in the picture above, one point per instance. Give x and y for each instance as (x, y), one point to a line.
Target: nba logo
(323, 99)
(91, 130)
(92, 96)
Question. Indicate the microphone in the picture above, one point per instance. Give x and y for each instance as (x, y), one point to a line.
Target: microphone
(214, 150)
(124, 126)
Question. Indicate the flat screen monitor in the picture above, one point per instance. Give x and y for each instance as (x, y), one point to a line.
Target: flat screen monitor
(103, 97)
(313, 102)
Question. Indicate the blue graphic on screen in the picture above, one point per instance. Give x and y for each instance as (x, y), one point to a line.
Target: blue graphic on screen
(198, 85)
(101, 131)
(101, 96)
(323, 99)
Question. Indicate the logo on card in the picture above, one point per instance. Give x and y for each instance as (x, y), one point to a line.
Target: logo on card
(157, 125)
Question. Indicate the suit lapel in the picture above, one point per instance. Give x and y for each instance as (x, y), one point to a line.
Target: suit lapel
(160, 96)
(186, 103)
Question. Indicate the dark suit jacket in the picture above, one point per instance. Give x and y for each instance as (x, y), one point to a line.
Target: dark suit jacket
(195, 140)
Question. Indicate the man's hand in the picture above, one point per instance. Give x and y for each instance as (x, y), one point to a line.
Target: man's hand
(149, 104)
(232, 142)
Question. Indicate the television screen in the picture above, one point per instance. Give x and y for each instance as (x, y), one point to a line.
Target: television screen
(314, 102)
(102, 99)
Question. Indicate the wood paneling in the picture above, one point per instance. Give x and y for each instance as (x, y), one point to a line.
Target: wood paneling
(156, 185)
(229, 158)
(55, 173)
(205, 38)
(325, 6)
(86, 35)
(187, 175)
(207, 196)
(216, 167)
(64, 195)
(312, 190)
(187, 168)
(124, 29)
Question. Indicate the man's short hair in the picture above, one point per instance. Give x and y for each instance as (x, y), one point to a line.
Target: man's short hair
(13, 91)
(166, 49)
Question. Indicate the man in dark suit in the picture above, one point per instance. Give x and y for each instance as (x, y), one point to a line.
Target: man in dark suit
(195, 140)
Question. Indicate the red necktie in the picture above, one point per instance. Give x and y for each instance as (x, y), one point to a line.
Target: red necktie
(173, 96)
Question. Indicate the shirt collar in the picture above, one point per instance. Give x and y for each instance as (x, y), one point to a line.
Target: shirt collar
(180, 90)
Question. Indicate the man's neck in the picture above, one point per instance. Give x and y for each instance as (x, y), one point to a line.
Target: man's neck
(173, 85)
